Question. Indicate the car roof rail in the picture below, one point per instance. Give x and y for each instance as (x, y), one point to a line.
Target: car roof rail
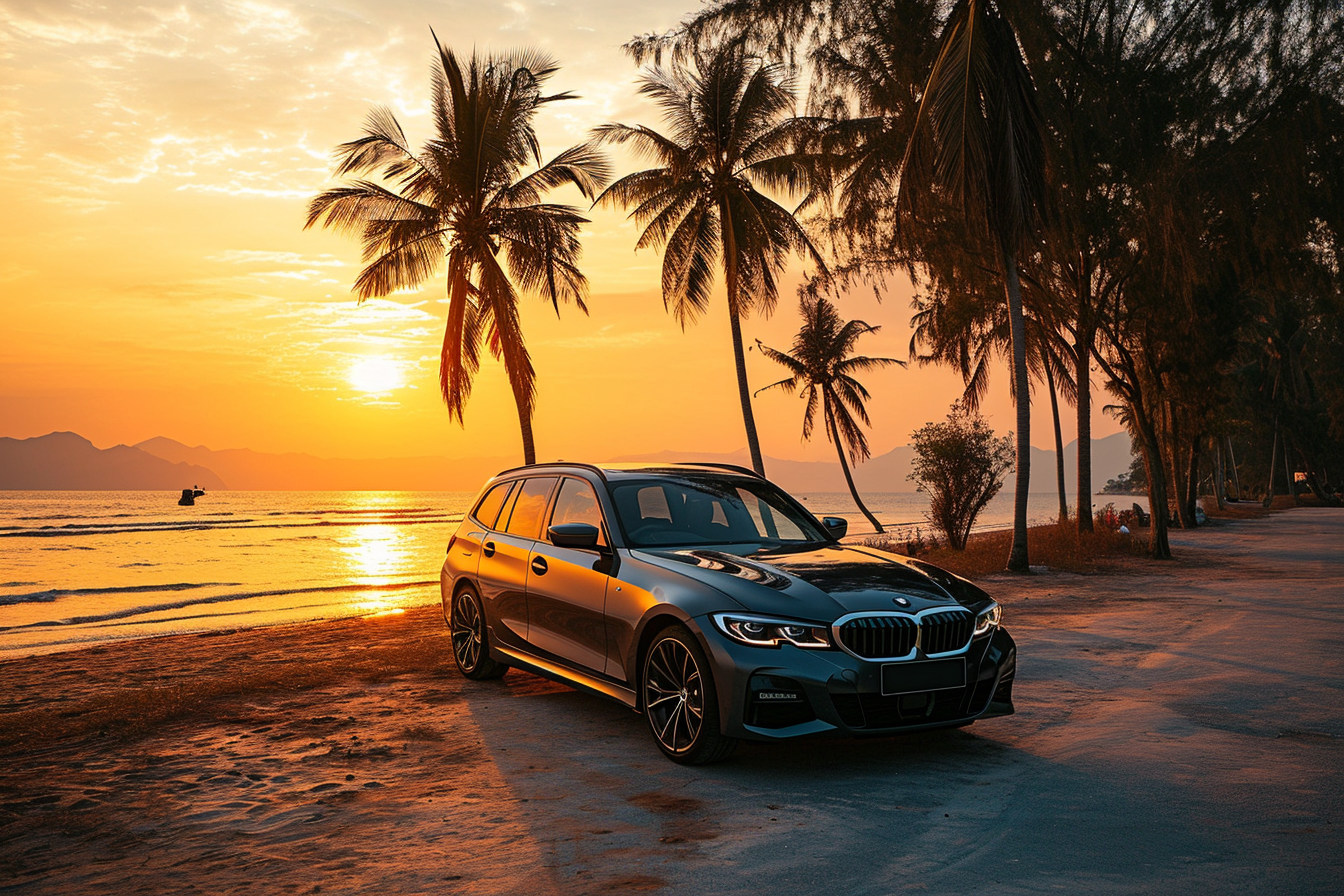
(733, 467)
(556, 463)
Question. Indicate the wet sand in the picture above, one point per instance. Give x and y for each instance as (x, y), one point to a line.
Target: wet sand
(1180, 729)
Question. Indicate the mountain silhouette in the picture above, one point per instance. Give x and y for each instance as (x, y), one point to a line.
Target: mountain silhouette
(64, 460)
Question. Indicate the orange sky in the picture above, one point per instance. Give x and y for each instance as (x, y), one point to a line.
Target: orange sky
(156, 278)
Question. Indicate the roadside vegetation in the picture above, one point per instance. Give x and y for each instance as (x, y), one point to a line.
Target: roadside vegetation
(1145, 196)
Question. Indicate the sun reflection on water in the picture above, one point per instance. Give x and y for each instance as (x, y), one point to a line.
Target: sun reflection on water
(377, 555)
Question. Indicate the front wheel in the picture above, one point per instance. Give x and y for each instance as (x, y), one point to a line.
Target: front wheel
(471, 645)
(680, 703)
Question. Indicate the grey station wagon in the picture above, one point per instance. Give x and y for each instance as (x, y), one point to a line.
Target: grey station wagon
(711, 601)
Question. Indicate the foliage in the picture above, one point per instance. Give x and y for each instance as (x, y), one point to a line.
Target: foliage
(1108, 519)
(822, 367)
(1196, 182)
(960, 464)
(731, 135)
(1131, 482)
(464, 195)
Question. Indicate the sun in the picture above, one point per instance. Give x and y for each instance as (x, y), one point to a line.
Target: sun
(375, 375)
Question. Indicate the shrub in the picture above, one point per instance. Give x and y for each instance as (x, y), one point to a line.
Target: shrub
(1107, 518)
(960, 464)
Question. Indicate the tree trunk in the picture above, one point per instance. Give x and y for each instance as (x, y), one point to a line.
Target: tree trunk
(1219, 475)
(1232, 459)
(529, 448)
(1017, 557)
(834, 433)
(1175, 457)
(1288, 471)
(744, 395)
(739, 356)
(1191, 497)
(1059, 447)
(1082, 376)
(1159, 547)
(1273, 459)
(524, 411)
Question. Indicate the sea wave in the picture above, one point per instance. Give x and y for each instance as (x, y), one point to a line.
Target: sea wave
(74, 529)
(51, 594)
(131, 612)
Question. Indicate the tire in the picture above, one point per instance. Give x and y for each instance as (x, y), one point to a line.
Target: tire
(471, 643)
(680, 703)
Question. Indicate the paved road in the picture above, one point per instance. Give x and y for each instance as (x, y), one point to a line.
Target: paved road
(1178, 732)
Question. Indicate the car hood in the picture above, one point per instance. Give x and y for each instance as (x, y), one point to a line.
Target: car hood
(820, 583)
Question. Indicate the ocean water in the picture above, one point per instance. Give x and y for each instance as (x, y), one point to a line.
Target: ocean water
(81, 568)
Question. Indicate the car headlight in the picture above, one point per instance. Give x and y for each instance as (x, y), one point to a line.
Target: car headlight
(988, 620)
(766, 631)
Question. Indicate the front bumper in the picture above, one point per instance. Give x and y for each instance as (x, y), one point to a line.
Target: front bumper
(835, 692)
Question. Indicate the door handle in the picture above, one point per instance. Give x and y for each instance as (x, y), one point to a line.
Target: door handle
(539, 565)
(488, 549)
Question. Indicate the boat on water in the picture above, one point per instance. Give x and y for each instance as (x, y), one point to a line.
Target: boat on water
(189, 496)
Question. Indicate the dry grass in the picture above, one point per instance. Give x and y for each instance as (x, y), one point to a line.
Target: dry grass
(1055, 546)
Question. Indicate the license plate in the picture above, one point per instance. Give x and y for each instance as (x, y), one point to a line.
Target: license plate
(932, 675)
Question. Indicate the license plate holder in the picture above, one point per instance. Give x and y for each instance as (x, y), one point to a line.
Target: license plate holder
(926, 675)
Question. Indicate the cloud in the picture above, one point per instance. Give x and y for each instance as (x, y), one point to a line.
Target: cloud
(263, 256)
(608, 338)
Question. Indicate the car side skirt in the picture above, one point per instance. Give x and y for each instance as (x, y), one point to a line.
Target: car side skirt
(564, 675)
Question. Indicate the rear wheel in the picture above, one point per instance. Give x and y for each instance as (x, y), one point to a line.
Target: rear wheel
(471, 645)
(680, 703)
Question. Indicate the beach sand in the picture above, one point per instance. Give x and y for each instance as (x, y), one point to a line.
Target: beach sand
(1180, 729)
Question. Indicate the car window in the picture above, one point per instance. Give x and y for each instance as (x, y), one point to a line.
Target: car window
(487, 510)
(653, 504)
(769, 523)
(529, 506)
(578, 504)
(710, 511)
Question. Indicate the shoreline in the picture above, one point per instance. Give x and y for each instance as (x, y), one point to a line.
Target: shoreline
(144, 665)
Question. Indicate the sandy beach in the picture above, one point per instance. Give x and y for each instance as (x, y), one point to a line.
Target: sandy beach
(1180, 729)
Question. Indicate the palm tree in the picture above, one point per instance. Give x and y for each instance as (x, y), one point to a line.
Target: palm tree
(978, 139)
(823, 368)
(730, 133)
(463, 199)
(966, 330)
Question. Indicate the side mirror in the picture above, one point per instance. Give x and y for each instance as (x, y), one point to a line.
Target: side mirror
(836, 526)
(573, 535)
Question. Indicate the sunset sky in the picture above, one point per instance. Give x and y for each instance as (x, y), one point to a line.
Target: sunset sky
(157, 280)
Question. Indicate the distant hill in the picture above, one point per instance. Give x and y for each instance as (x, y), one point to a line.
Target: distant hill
(884, 473)
(64, 460)
(249, 470)
(68, 461)
(887, 472)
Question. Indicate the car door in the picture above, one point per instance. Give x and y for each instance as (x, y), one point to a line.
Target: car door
(464, 550)
(505, 553)
(567, 587)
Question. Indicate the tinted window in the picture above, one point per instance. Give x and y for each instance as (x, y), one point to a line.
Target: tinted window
(525, 521)
(488, 509)
(769, 521)
(578, 504)
(710, 511)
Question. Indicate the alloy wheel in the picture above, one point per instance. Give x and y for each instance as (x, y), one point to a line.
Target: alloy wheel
(674, 697)
(466, 629)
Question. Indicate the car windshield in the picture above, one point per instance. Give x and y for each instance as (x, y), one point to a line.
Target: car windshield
(710, 510)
